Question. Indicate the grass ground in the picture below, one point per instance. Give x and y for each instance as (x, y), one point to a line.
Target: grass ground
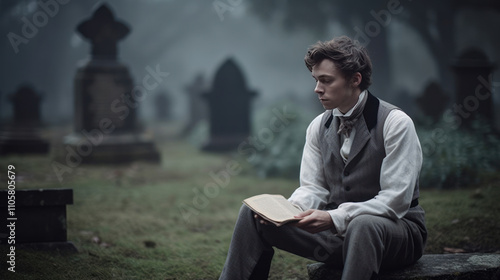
(145, 221)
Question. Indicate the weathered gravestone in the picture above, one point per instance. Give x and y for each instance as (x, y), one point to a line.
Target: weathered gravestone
(433, 101)
(197, 109)
(36, 219)
(22, 135)
(105, 100)
(229, 108)
(473, 87)
(163, 105)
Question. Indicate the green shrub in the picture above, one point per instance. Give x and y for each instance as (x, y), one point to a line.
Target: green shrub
(453, 157)
(282, 155)
(456, 157)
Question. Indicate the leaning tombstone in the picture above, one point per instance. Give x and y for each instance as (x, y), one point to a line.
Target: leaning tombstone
(23, 134)
(473, 92)
(105, 100)
(229, 108)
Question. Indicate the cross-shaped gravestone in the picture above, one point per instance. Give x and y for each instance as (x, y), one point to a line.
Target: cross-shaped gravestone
(106, 101)
(102, 84)
(104, 32)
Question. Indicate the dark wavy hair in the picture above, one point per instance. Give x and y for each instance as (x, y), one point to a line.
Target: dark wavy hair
(348, 55)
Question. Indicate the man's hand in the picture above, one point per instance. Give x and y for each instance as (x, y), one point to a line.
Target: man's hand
(314, 221)
(260, 219)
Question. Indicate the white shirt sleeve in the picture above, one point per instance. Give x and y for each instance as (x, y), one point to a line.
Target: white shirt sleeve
(399, 172)
(312, 193)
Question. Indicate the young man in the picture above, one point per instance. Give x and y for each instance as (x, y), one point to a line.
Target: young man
(358, 180)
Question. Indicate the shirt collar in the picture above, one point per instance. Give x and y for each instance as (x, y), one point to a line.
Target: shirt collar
(336, 112)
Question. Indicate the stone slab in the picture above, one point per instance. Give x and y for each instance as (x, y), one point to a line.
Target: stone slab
(40, 197)
(112, 149)
(432, 266)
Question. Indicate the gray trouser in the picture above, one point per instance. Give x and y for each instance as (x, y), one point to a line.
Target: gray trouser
(371, 242)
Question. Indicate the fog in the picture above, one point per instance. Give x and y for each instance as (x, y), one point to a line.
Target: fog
(186, 38)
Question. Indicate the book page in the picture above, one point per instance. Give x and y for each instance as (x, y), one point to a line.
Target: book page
(276, 208)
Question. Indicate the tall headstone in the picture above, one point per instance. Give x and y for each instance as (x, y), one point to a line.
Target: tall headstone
(229, 108)
(22, 135)
(473, 86)
(105, 127)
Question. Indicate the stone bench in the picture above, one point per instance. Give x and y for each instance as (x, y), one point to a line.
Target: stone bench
(436, 267)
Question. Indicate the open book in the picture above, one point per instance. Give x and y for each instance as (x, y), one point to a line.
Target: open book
(273, 208)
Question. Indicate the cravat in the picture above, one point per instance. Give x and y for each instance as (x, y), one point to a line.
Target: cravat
(347, 123)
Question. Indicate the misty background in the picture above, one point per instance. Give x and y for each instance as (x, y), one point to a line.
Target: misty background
(268, 39)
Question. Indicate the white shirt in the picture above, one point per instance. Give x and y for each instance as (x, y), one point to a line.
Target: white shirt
(398, 175)
(346, 141)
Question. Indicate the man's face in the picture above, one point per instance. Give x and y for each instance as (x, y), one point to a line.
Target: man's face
(333, 90)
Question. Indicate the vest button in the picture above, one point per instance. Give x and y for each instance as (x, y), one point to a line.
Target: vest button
(347, 188)
(346, 173)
